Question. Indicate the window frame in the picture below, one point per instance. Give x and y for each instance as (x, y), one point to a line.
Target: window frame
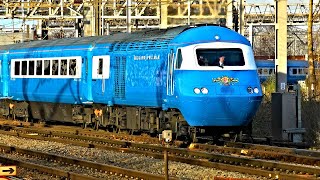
(105, 67)
(77, 67)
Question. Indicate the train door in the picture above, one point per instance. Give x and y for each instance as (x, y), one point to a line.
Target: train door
(170, 72)
(100, 76)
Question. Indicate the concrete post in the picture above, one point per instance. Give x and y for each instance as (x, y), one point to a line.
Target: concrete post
(281, 45)
(163, 14)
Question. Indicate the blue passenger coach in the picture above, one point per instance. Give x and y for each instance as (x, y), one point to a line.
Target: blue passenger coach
(297, 70)
(190, 79)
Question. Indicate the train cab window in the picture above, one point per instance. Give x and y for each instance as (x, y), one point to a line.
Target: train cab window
(46, 67)
(17, 68)
(179, 59)
(294, 71)
(63, 67)
(72, 67)
(31, 67)
(211, 57)
(24, 68)
(39, 67)
(54, 68)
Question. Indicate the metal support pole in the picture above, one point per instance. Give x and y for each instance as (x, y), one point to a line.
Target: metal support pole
(251, 34)
(189, 9)
(166, 164)
(129, 16)
(241, 17)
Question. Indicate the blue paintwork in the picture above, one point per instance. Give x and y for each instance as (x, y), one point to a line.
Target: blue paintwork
(225, 105)
(145, 80)
(291, 78)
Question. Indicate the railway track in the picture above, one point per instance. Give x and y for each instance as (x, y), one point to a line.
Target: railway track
(22, 158)
(226, 158)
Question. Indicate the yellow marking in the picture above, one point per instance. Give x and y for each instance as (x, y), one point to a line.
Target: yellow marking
(8, 170)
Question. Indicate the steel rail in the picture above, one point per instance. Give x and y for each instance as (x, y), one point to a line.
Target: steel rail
(101, 167)
(232, 163)
(44, 169)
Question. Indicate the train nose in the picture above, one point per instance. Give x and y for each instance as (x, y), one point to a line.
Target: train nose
(221, 111)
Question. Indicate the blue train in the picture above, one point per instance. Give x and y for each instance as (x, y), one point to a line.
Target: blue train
(145, 81)
(297, 70)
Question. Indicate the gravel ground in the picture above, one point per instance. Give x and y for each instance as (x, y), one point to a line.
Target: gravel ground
(125, 160)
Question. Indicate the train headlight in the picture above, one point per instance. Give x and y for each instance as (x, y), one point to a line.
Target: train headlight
(250, 90)
(196, 90)
(204, 90)
(216, 37)
(256, 90)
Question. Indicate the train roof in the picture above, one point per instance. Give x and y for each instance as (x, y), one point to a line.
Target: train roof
(160, 37)
(290, 62)
(113, 38)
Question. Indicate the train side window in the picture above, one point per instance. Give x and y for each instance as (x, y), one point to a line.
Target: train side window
(31, 67)
(100, 66)
(260, 71)
(265, 71)
(72, 67)
(300, 71)
(39, 67)
(294, 71)
(46, 67)
(179, 59)
(271, 71)
(24, 68)
(55, 65)
(17, 68)
(63, 67)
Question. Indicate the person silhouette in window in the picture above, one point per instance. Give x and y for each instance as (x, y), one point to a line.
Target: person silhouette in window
(203, 61)
(221, 61)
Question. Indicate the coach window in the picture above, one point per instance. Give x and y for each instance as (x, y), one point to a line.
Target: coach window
(265, 71)
(17, 68)
(55, 65)
(46, 67)
(31, 67)
(294, 71)
(63, 67)
(72, 67)
(24, 68)
(39, 67)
